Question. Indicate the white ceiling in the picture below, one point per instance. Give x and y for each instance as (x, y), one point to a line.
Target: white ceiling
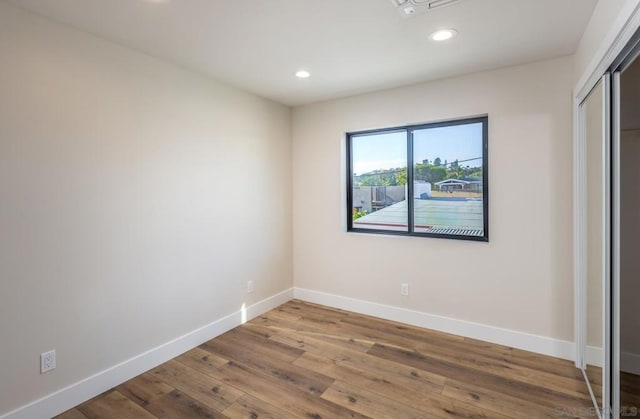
(349, 46)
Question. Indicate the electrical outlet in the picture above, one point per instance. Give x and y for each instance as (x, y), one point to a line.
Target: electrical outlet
(404, 289)
(47, 361)
(249, 286)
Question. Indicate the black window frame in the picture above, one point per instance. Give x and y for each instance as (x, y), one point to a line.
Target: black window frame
(409, 129)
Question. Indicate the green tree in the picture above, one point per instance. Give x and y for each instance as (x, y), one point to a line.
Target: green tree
(475, 172)
(380, 178)
(437, 161)
(421, 172)
(388, 178)
(437, 174)
(401, 176)
(367, 181)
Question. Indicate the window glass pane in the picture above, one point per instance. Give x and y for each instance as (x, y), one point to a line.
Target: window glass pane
(448, 180)
(379, 165)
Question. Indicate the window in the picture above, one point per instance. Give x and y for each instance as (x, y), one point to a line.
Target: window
(446, 176)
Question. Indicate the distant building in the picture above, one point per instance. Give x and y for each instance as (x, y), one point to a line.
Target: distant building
(469, 185)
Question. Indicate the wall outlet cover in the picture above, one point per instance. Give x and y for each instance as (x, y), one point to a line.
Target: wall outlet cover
(47, 361)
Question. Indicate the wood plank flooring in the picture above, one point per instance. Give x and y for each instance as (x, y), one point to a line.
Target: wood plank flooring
(629, 394)
(629, 390)
(303, 360)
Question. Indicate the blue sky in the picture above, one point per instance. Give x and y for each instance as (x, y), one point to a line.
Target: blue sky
(388, 150)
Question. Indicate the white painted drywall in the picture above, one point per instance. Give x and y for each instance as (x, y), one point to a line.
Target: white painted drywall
(136, 201)
(596, 33)
(522, 279)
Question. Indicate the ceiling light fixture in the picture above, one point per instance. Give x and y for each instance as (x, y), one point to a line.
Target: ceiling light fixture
(443, 35)
(303, 74)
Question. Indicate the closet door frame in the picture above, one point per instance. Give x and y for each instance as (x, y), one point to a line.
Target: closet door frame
(586, 355)
(614, 334)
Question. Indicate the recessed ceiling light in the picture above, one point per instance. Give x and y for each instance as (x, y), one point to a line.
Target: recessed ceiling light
(303, 74)
(443, 34)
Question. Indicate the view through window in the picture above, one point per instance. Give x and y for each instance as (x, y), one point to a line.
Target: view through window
(447, 180)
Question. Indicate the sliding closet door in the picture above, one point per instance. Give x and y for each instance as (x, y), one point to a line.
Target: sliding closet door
(626, 231)
(594, 229)
(607, 168)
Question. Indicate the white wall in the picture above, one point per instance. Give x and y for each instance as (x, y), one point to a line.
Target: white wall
(137, 199)
(522, 279)
(602, 18)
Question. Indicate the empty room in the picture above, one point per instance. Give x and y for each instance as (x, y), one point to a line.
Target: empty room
(319, 209)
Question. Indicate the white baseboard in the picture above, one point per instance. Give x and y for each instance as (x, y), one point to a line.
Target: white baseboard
(594, 356)
(630, 362)
(83, 390)
(529, 342)
(71, 396)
